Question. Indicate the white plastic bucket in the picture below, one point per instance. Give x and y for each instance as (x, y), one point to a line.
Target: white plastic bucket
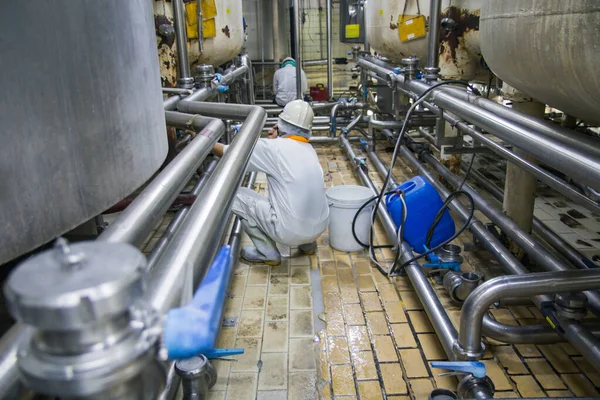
(344, 202)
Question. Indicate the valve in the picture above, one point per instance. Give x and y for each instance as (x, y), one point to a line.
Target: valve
(475, 368)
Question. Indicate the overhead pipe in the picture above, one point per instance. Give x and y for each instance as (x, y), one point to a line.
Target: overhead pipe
(576, 162)
(479, 302)
(433, 40)
(535, 250)
(296, 4)
(184, 76)
(196, 242)
(329, 57)
(136, 222)
(555, 241)
(446, 332)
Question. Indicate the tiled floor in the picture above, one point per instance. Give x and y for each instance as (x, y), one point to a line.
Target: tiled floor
(377, 342)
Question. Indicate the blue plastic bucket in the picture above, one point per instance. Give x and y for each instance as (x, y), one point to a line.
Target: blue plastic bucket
(423, 203)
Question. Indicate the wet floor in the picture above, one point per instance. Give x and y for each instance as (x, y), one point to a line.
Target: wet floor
(330, 326)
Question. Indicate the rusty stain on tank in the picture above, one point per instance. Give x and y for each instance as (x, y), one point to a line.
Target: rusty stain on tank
(465, 21)
(393, 26)
(226, 31)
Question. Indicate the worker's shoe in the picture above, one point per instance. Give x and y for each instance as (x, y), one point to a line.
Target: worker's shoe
(309, 248)
(252, 255)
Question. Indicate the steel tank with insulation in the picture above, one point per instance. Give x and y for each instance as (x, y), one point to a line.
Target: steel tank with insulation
(82, 116)
(548, 49)
(460, 55)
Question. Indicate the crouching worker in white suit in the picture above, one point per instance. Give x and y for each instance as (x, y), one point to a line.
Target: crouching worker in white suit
(296, 212)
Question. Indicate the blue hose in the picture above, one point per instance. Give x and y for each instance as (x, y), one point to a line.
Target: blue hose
(193, 328)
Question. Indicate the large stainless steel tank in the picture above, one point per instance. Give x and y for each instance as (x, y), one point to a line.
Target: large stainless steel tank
(82, 122)
(549, 49)
(460, 55)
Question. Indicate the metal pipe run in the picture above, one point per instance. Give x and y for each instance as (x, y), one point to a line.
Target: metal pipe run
(329, 57)
(10, 385)
(446, 332)
(535, 250)
(583, 340)
(164, 241)
(136, 222)
(296, 4)
(433, 40)
(555, 241)
(479, 302)
(196, 242)
(184, 76)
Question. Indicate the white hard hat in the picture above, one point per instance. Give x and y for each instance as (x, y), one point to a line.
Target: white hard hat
(298, 113)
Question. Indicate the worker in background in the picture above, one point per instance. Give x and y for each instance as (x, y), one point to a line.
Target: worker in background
(296, 211)
(284, 82)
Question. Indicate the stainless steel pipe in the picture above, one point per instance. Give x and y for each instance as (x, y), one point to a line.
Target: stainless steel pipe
(135, 223)
(433, 40)
(297, 33)
(446, 332)
(583, 340)
(329, 57)
(10, 385)
(196, 242)
(184, 76)
(479, 302)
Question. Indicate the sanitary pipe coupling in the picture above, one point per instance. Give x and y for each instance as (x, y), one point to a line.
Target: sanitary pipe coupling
(572, 305)
(471, 387)
(468, 355)
(205, 75)
(197, 376)
(411, 67)
(461, 284)
(93, 335)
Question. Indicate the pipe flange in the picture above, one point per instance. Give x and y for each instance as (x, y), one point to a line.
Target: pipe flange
(411, 67)
(431, 73)
(468, 355)
(185, 83)
(470, 387)
(205, 75)
(571, 305)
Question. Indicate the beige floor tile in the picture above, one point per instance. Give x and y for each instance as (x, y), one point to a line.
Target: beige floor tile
(403, 283)
(496, 374)
(503, 315)
(216, 395)
(279, 285)
(369, 390)
(275, 338)
(370, 301)
(527, 386)
(349, 294)
(300, 275)
(362, 267)
(301, 323)
(403, 336)
(420, 322)
(393, 380)
(570, 349)
(335, 324)
(329, 284)
(591, 372)
(328, 268)
(544, 373)
(353, 314)
(251, 323)
(388, 292)
(247, 362)
(385, 349)
(238, 286)
(324, 253)
(302, 386)
(273, 374)
(507, 395)
(365, 283)
(343, 382)
(413, 363)
(343, 260)
(377, 323)
(580, 385)
(558, 358)
(510, 360)
(332, 302)
(345, 277)
(380, 278)
(521, 312)
(255, 298)
(559, 393)
(421, 388)
(277, 309)
(258, 275)
(432, 347)
(223, 367)
(364, 365)
(395, 312)
(226, 338)
(528, 350)
(272, 395)
(233, 307)
(445, 382)
(338, 350)
(358, 339)
(300, 297)
(302, 355)
(410, 300)
(302, 260)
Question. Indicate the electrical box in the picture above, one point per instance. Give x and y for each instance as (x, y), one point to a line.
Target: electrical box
(352, 21)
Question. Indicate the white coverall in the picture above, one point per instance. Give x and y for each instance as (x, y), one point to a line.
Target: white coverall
(296, 211)
(284, 84)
